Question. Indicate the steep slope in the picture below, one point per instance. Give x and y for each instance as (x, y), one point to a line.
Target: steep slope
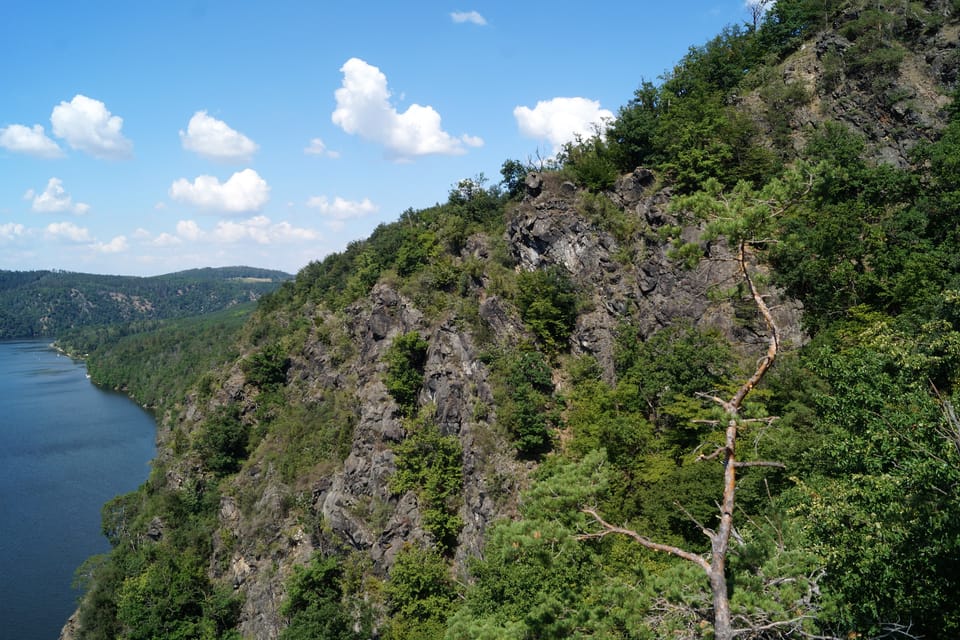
(406, 443)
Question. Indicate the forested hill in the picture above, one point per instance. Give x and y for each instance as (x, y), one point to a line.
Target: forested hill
(696, 379)
(46, 303)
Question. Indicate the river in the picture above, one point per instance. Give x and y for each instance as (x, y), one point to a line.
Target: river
(66, 447)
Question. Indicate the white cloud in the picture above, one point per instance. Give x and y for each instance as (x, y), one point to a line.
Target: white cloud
(215, 140)
(468, 16)
(31, 141)
(560, 120)
(141, 234)
(117, 245)
(68, 231)
(318, 148)
(55, 199)
(244, 191)
(88, 126)
(189, 230)
(11, 230)
(260, 230)
(342, 209)
(364, 108)
(166, 240)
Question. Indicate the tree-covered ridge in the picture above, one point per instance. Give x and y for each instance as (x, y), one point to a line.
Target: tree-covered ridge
(47, 303)
(847, 448)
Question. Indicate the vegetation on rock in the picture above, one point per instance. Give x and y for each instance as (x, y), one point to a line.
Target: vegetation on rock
(436, 433)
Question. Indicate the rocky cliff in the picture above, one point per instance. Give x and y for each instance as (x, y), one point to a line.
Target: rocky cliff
(269, 524)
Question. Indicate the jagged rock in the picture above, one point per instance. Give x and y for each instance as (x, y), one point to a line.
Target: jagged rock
(533, 184)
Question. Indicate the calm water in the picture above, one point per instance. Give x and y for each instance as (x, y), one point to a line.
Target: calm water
(66, 447)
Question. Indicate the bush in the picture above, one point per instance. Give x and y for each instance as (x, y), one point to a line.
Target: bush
(406, 358)
(430, 464)
(548, 305)
(223, 441)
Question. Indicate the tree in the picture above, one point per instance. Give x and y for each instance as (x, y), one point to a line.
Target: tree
(744, 217)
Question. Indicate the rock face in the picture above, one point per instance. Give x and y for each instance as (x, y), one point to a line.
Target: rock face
(351, 506)
(548, 229)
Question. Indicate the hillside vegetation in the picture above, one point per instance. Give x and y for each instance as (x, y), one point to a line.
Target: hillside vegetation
(47, 303)
(522, 413)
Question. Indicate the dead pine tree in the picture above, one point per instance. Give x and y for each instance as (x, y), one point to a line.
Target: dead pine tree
(745, 218)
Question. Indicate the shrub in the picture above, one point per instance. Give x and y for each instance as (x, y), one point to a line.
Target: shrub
(406, 358)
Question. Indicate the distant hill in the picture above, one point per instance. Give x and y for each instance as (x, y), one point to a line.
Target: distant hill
(45, 303)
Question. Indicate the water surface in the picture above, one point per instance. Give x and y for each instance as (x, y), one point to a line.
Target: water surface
(66, 447)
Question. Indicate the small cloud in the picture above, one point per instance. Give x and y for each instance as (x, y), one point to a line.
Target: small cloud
(141, 234)
(55, 199)
(31, 141)
(216, 140)
(117, 245)
(364, 109)
(160, 206)
(318, 148)
(561, 120)
(472, 17)
(11, 231)
(166, 240)
(472, 141)
(88, 126)
(261, 230)
(68, 231)
(189, 230)
(341, 209)
(244, 191)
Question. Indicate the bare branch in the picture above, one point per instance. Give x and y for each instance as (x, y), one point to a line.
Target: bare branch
(643, 540)
(702, 457)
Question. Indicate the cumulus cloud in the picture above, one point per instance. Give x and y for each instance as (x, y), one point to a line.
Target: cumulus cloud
(31, 141)
(243, 192)
(468, 16)
(318, 148)
(88, 126)
(11, 231)
(216, 140)
(55, 199)
(560, 120)
(189, 230)
(117, 245)
(259, 229)
(364, 109)
(342, 209)
(68, 231)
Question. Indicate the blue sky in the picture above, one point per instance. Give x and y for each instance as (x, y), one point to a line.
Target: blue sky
(145, 137)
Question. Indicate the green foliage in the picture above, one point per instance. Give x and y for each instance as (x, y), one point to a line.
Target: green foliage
(156, 586)
(405, 360)
(157, 363)
(49, 303)
(547, 302)
(171, 598)
(267, 368)
(514, 174)
(525, 408)
(589, 164)
(883, 507)
(222, 443)
(314, 605)
(430, 464)
(535, 579)
(421, 595)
